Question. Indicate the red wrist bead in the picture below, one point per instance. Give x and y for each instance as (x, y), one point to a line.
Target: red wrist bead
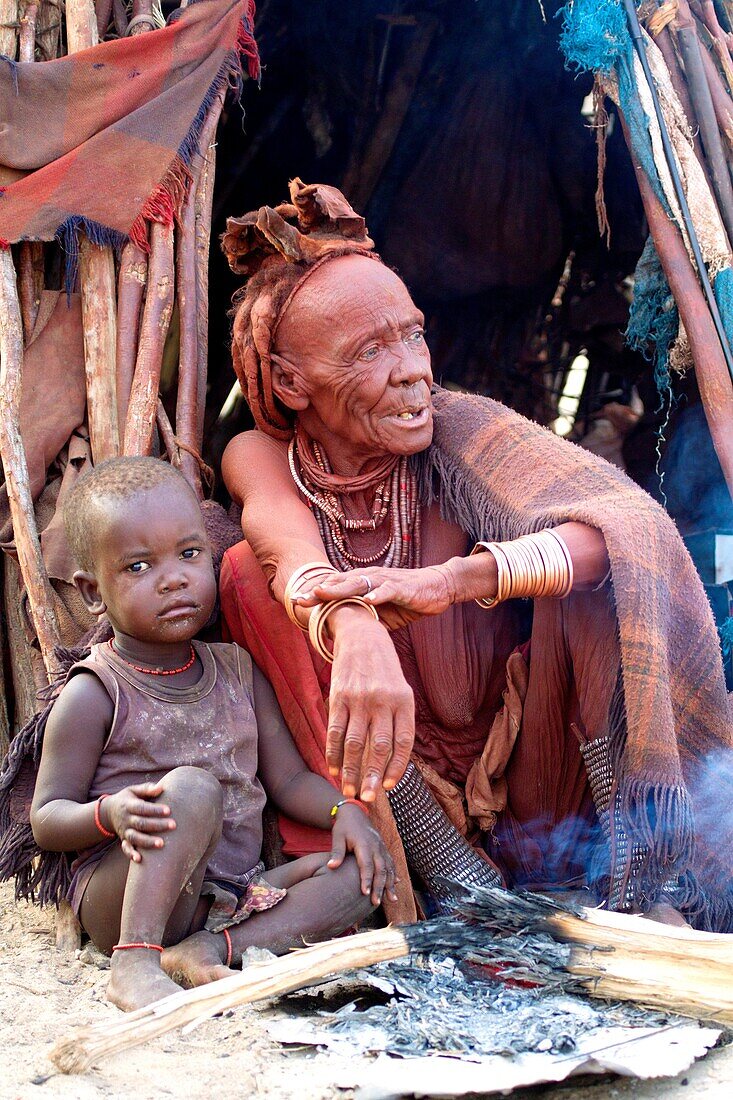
(97, 819)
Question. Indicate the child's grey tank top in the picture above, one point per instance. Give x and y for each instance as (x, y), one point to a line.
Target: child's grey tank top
(211, 725)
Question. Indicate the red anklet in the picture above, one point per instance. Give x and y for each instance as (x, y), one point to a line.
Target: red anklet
(133, 946)
(228, 938)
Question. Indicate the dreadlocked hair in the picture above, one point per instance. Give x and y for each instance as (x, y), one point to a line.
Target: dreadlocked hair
(278, 249)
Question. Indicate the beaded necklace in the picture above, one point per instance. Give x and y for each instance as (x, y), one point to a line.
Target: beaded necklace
(395, 497)
(155, 671)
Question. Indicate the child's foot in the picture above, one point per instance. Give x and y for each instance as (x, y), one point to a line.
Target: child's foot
(196, 960)
(137, 980)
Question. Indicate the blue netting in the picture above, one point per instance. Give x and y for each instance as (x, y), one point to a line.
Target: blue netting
(595, 37)
(725, 633)
(723, 289)
(594, 34)
(653, 318)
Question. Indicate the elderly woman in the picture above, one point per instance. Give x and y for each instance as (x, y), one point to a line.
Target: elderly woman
(573, 740)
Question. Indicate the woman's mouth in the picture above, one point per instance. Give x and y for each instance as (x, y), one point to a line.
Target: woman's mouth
(414, 417)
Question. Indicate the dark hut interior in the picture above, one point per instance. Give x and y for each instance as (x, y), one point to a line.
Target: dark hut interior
(471, 149)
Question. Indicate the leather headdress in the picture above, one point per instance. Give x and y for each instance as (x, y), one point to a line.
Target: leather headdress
(270, 246)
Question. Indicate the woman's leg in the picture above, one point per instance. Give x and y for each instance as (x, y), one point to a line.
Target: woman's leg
(154, 901)
(549, 832)
(320, 903)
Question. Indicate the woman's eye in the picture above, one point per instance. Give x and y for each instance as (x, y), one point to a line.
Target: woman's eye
(138, 567)
(416, 337)
(191, 552)
(370, 354)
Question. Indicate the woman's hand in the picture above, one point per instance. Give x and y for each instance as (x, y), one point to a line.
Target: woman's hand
(353, 833)
(371, 722)
(136, 818)
(400, 595)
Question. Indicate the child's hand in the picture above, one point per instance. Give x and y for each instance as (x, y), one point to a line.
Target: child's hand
(137, 820)
(353, 833)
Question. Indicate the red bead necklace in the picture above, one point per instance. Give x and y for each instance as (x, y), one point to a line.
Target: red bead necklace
(155, 671)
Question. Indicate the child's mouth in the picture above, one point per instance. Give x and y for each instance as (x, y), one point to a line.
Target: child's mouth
(179, 611)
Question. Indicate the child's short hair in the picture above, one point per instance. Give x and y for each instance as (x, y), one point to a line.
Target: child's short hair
(113, 481)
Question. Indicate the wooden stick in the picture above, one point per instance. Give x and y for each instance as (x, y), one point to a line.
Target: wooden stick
(30, 253)
(722, 102)
(192, 294)
(30, 560)
(701, 98)
(713, 380)
(167, 435)
(97, 277)
(676, 75)
(709, 17)
(48, 29)
(156, 320)
(261, 981)
(612, 955)
(9, 28)
(131, 283)
(104, 15)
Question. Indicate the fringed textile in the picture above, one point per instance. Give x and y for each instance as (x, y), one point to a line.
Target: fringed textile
(101, 140)
(499, 476)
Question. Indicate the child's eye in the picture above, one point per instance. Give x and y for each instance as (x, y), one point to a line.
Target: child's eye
(138, 567)
(192, 552)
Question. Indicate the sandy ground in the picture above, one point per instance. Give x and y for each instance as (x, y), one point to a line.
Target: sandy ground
(42, 994)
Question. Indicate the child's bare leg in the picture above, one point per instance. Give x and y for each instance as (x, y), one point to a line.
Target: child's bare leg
(317, 907)
(154, 901)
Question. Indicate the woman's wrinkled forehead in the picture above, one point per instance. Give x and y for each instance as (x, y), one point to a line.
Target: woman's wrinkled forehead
(350, 291)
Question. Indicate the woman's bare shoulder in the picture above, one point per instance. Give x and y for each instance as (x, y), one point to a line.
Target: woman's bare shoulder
(247, 456)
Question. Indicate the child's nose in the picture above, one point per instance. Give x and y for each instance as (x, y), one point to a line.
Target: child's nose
(173, 580)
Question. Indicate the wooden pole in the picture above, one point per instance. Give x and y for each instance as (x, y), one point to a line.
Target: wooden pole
(705, 111)
(140, 423)
(131, 283)
(9, 28)
(614, 955)
(97, 277)
(711, 372)
(192, 288)
(30, 257)
(30, 560)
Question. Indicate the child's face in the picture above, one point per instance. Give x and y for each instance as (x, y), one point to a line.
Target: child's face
(153, 571)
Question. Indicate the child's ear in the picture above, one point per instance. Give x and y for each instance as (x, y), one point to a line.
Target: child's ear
(89, 591)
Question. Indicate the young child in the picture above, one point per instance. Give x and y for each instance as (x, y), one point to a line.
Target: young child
(158, 755)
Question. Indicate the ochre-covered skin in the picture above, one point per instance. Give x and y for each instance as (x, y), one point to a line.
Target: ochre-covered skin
(348, 358)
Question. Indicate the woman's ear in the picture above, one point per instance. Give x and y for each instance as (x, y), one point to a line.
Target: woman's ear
(286, 385)
(89, 591)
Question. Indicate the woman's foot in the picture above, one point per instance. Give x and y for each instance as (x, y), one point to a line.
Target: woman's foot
(196, 960)
(137, 979)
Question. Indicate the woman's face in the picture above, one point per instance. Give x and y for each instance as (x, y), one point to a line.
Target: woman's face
(351, 358)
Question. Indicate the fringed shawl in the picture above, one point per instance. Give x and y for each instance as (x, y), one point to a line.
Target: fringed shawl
(498, 475)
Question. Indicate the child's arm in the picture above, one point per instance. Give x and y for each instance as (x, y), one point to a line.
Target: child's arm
(62, 818)
(309, 798)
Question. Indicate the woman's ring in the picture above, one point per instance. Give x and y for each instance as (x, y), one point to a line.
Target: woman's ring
(368, 584)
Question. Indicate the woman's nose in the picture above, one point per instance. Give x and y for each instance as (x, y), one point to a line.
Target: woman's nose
(409, 368)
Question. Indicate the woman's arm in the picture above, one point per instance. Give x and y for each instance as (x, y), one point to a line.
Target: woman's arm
(308, 798)
(369, 692)
(403, 595)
